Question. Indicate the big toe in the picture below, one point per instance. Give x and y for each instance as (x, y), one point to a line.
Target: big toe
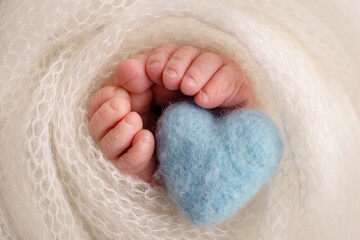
(139, 160)
(131, 75)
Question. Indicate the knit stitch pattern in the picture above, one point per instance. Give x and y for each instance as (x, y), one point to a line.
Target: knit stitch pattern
(302, 59)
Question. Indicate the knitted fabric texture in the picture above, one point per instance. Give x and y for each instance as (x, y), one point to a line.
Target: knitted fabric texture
(302, 58)
(212, 166)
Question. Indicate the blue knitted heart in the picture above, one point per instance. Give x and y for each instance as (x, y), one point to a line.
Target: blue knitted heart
(211, 166)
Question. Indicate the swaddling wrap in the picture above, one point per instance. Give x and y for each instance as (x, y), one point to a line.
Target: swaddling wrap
(303, 63)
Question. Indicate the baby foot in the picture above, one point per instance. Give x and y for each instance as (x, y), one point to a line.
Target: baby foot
(119, 131)
(213, 79)
(119, 109)
(130, 75)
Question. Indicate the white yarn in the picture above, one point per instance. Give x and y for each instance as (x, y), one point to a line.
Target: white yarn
(303, 59)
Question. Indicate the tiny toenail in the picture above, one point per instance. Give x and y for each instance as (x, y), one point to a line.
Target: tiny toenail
(145, 139)
(120, 92)
(171, 73)
(115, 104)
(190, 81)
(154, 64)
(204, 96)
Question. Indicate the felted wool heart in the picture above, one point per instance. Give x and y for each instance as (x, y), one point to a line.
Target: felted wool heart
(212, 165)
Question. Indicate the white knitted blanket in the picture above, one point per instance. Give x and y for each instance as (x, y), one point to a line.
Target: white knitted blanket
(303, 57)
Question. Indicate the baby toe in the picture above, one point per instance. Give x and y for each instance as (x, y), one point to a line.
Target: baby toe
(200, 71)
(119, 138)
(235, 89)
(131, 74)
(108, 115)
(155, 64)
(139, 160)
(103, 95)
(217, 90)
(177, 65)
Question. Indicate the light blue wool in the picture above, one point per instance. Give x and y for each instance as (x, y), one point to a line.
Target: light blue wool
(211, 166)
